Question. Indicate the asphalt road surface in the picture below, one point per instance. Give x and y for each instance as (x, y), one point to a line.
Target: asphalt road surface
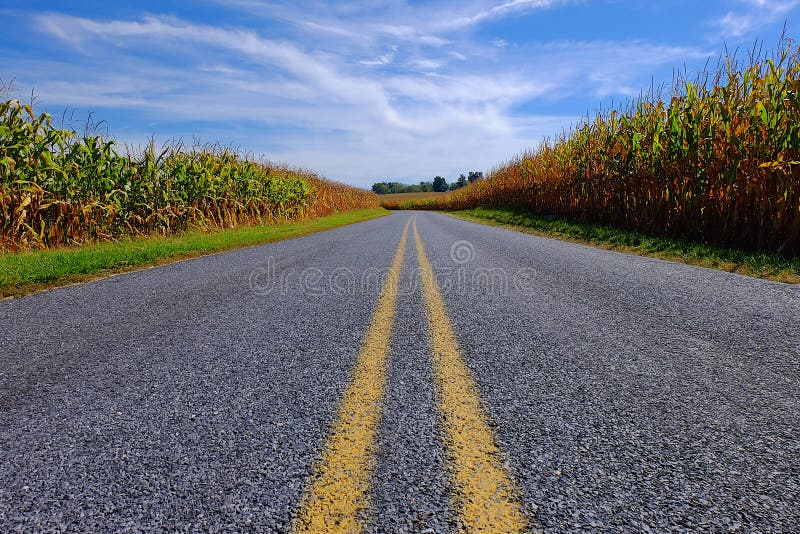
(330, 382)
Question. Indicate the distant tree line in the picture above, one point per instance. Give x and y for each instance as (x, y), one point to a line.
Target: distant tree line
(438, 184)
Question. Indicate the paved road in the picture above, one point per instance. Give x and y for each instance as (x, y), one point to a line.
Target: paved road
(541, 385)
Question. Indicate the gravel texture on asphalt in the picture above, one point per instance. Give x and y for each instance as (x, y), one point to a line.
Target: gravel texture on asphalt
(176, 398)
(626, 393)
(630, 393)
(411, 492)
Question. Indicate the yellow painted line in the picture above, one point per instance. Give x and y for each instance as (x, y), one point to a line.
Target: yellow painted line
(484, 494)
(338, 492)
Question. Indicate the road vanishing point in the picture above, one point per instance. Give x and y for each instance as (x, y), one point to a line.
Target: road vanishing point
(412, 373)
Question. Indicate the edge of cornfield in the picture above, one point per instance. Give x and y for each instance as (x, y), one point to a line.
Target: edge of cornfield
(30, 272)
(748, 263)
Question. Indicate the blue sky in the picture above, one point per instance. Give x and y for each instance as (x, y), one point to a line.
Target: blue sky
(364, 91)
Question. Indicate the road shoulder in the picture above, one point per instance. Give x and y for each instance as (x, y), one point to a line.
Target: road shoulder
(755, 264)
(30, 272)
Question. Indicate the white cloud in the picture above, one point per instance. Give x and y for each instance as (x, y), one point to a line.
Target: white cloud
(425, 64)
(358, 91)
(383, 59)
(427, 24)
(409, 33)
(497, 11)
(754, 14)
(246, 43)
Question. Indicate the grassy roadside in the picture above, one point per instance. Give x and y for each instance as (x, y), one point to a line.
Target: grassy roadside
(761, 265)
(27, 272)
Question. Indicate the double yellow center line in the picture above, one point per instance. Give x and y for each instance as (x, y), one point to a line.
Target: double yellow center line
(483, 493)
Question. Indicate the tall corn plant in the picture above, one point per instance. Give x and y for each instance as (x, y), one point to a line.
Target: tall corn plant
(58, 188)
(718, 161)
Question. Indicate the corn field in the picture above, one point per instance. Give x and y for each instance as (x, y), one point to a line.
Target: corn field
(717, 162)
(58, 188)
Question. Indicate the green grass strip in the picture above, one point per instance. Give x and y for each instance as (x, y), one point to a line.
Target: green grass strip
(26, 272)
(759, 264)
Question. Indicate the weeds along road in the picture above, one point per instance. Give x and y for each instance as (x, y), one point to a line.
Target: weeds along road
(331, 381)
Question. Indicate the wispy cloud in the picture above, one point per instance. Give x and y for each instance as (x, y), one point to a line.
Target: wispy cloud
(383, 59)
(246, 43)
(357, 90)
(754, 14)
(479, 14)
